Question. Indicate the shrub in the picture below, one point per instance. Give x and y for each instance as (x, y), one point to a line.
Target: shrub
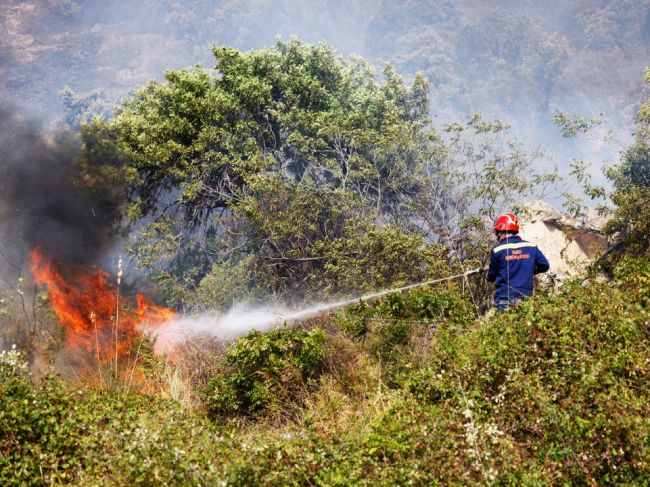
(389, 324)
(564, 377)
(556, 390)
(39, 438)
(267, 372)
(52, 434)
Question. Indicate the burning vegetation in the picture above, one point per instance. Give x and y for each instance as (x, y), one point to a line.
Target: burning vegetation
(89, 307)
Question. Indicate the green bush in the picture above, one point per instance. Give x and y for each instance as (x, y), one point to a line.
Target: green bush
(420, 304)
(53, 434)
(267, 372)
(447, 304)
(39, 438)
(144, 440)
(555, 391)
(563, 377)
(387, 325)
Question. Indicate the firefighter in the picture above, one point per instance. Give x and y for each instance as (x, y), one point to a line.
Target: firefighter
(513, 263)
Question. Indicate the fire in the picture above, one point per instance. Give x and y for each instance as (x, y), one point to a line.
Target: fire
(86, 304)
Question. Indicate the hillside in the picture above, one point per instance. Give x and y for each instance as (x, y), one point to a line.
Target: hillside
(410, 390)
(518, 61)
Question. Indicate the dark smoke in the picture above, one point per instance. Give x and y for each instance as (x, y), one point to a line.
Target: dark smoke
(41, 203)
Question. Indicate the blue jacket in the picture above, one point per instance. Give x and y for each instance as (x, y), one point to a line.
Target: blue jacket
(513, 263)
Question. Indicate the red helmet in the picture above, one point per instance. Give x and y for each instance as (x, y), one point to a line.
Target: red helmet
(506, 222)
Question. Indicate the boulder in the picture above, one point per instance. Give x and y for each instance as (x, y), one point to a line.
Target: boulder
(568, 243)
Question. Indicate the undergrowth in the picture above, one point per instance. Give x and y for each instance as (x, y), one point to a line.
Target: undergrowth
(411, 390)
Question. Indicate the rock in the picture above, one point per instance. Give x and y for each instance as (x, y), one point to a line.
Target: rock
(568, 243)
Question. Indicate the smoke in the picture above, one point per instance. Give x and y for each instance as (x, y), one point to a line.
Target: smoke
(518, 61)
(117, 46)
(237, 322)
(41, 204)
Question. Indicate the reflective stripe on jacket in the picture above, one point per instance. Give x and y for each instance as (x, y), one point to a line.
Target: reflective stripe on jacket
(513, 263)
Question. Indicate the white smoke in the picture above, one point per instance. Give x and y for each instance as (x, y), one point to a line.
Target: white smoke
(237, 322)
(233, 324)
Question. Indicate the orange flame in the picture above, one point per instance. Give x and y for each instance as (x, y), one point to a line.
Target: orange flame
(86, 304)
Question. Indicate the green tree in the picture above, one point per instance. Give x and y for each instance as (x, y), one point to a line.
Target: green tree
(286, 166)
(631, 194)
(253, 163)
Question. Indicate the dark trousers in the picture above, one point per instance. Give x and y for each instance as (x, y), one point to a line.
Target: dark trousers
(503, 304)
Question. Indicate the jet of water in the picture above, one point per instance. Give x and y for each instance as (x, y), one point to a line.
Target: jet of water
(241, 320)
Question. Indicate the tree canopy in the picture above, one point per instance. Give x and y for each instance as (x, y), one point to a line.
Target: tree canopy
(262, 160)
(283, 166)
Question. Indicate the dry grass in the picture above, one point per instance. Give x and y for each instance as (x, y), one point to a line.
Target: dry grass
(199, 359)
(177, 387)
